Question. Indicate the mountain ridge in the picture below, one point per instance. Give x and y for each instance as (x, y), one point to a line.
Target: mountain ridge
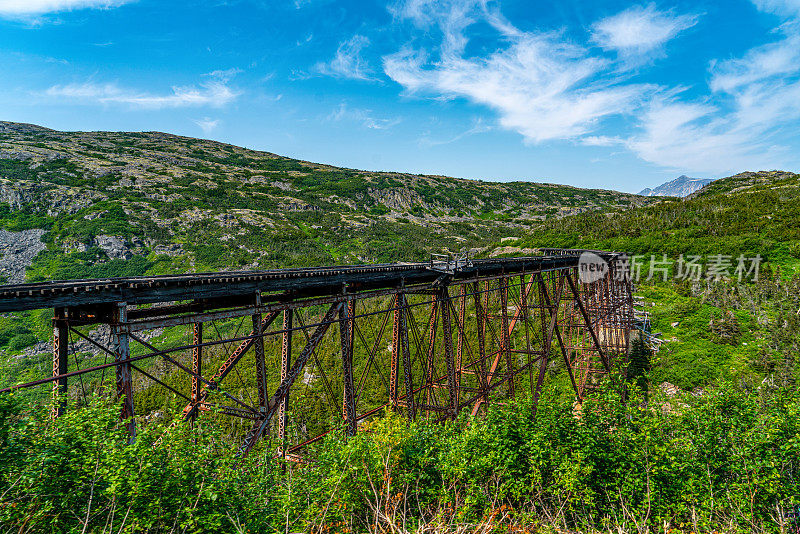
(151, 202)
(682, 186)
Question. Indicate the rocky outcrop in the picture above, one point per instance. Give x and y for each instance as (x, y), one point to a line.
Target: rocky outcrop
(17, 250)
(57, 199)
(502, 251)
(396, 199)
(22, 127)
(100, 334)
(118, 248)
(298, 205)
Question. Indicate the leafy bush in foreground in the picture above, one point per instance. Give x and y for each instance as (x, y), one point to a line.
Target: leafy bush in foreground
(727, 461)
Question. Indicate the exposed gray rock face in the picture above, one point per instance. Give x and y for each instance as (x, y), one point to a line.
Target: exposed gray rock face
(298, 205)
(397, 199)
(118, 248)
(7, 126)
(15, 154)
(172, 250)
(17, 250)
(57, 198)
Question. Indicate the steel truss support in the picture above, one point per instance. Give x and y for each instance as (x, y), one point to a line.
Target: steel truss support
(450, 365)
(394, 378)
(480, 318)
(347, 323)
(408, 375)
(121, 348)
(506, 335)
(258, 429)
(191, 409)
(460, 343)
(261, 366)
(60, 362)
(197, 363)
(430, 370)
(286, 361)
(589, 323)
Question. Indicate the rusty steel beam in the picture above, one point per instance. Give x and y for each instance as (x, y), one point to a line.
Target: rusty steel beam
(431, 353)
(554, 317)
(468, 370)
(461, 341)
(408, 377)
(286, 362)
(480, 317)
(450, 365)
(547, 342)
(60, 362)
(396, 350)
(197, 363)
(508, 327)
(347, 336)
(188, 371)
(122, 354)
(588, 321)
(315, 280)
(261, 366)
(257, 431)
(190, 410)
(506, 339)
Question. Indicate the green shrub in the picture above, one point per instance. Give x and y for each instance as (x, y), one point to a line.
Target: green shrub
(22, 341)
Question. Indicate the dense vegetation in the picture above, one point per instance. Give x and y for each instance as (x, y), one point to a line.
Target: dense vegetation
(750, 213)
(727, 461)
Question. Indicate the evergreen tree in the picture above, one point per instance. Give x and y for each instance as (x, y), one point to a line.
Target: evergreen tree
(639, 363)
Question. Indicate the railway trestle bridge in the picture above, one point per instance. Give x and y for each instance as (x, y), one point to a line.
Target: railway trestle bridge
(285, 353)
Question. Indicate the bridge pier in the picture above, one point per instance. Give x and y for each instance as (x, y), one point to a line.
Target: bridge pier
(197, 364)
(121, 349)
(286, 362)
(347, 321)
(60, 361)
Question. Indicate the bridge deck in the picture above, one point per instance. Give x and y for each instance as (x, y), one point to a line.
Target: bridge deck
(314, 281)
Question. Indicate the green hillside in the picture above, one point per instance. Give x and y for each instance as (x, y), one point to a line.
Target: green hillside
(135, 203)
(750, 214)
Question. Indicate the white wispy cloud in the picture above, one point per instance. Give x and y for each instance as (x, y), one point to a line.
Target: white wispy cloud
(686, 135)
(541, 86)
(601, 140)
(364, 116)
(788, 8)
(348, 61)
(753, 98)
(478, 127)
(224, 75)
(758, 64)
(21, 8)
(640, 30)
(213, 93)
(547, 87)
(206, 124)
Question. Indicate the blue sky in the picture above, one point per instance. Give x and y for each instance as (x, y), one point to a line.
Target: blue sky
(605, 93)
